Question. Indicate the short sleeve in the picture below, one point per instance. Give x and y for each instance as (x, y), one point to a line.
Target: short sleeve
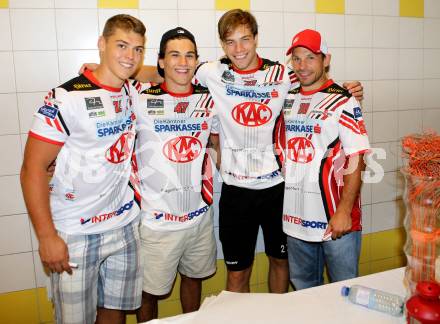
(201, 75)
(51, 121)
(352, 130)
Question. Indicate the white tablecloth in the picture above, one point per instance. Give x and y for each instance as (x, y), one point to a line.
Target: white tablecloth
(322, 304)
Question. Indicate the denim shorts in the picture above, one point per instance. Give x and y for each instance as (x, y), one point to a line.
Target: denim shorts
(307, 260)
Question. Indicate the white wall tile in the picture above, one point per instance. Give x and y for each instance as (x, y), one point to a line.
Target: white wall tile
(385, 96)
(11, 201)
(294, 23)
(26, 38)
(5, 31)
(31, 4)
(432, 8)
(28, 103)
(19, 271)
(263, 5)
(299, 5)
(384, 127)
(431, 120)
(366, 193)
(207, 54)
(358, 64)
(270, 29)
(153, 4)
(367, 102)
(431, 66)
(411, 64)
(330, 27)
(77, 4)
(385, 7)
(411, 32)
(386, 32)
(9, 121)
(150, 56)
(385, 216)
(337, 63)
(385, 64)
(358, 31)
(431, 35)
(272, 53)
(7, 79)
(386, 189)
(366, 219)
(368, 118)
(71, 61)
(104, 14)
(196, 4)
(386, 155)
(41, 274)
(410, 94)
(14, 234)
(36, 77)
(10, 163)
(358, 7)
(203, 27)
(430, 89)
(157, 23)
(410, 121)
(71, 35)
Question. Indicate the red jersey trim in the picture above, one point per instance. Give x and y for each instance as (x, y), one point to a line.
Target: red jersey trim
(45, 139)
(174, 94)
(260, 64)
(326, 84)
(89, 75)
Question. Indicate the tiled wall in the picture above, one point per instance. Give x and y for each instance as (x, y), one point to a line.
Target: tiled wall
(392, 46)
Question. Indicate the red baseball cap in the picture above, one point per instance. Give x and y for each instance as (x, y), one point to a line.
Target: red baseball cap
(310, 39)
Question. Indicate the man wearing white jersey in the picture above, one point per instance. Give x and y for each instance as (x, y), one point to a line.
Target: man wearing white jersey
(249, 92)
(86, 217)
(325, 139)
(174, 124)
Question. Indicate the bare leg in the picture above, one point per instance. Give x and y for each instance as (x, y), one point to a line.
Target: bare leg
(238, 281)
(190, 293)
(113, 316)
(148, 309)
(278, 275)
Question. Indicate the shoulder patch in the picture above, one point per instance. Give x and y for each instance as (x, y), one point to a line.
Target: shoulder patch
(200, 89)
(154, 90)
(294, 90)
(335, 88)
(268, 63)
(80, 83)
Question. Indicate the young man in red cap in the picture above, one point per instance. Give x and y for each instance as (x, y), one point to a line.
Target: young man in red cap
(324, 145)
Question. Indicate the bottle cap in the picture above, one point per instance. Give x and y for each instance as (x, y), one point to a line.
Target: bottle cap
(345, 290)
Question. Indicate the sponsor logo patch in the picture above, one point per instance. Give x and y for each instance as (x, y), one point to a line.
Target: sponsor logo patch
(251, 114)
(94, 103)
(182, 149)
(155, 103)
(300, 150)
(48, 111)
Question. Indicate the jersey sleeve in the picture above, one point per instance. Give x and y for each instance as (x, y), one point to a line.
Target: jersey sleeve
(201, 75)
(215, 128)
(352, 131)
(52, 121)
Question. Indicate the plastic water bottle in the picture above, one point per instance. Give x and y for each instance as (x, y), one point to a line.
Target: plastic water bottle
(374, 299)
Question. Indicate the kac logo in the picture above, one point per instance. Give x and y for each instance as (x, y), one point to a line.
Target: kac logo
(120, 150)
(300, 150)
(251, 114)
(182, 149)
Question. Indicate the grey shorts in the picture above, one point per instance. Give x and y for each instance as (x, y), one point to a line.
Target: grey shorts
(191, 251)
(108, 275)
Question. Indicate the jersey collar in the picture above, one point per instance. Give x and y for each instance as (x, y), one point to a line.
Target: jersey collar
(89, 75)
(260, 64)
(326, 84)
(186, 94)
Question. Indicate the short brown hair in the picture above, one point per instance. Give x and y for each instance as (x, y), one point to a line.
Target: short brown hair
(124, 22)
(234, 18)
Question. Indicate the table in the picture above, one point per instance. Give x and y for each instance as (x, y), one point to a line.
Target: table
(323, 304)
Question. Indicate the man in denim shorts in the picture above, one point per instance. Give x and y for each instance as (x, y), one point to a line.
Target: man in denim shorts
(86, 218)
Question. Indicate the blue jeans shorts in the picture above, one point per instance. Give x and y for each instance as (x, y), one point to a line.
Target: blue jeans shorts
(307, 260)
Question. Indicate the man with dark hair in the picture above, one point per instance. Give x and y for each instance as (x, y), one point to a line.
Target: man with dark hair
(174, 125)
(86, 218)
(324, 147)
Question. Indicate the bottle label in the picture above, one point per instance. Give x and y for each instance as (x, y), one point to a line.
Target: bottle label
(363, 296)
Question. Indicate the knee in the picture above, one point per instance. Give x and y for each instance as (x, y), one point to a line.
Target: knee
(278, 264)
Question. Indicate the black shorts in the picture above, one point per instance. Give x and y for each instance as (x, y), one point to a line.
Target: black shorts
(241, 212)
